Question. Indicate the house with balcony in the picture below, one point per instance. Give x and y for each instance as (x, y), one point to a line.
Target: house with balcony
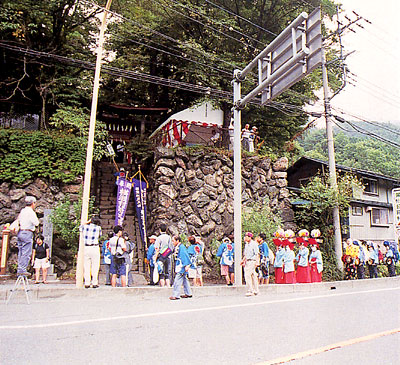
(371, 216)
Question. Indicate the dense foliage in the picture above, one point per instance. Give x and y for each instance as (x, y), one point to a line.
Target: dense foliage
(358, 150)
(199, 43)
(25, 155)
(66, 218)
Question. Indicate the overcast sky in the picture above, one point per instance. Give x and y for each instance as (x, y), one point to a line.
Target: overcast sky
(376, 61)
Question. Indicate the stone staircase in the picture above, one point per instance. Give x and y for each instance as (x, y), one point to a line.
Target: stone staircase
(106, 198)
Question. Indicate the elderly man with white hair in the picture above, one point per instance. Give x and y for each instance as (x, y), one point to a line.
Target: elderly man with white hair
(28, 221)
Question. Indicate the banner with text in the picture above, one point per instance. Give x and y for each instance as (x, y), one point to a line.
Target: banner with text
(124, 191)
(139, 193)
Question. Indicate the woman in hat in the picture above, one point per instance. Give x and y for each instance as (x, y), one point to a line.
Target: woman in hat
(303, 269)
(316, 265)
(278, 263)
(288, 262)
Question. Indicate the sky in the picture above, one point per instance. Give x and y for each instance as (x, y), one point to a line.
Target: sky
(375, 62)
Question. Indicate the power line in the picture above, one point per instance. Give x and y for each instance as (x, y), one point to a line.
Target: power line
(203, 53)
(240, 17)
(366, 132)
(230, 28)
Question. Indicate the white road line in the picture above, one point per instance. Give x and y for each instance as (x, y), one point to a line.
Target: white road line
(319, 350)
(206, 309)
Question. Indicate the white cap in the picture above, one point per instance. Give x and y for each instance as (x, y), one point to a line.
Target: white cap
(29, 200)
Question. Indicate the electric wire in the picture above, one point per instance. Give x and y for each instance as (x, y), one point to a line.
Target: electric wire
(240, 17)
(160, 34)
(230, 28)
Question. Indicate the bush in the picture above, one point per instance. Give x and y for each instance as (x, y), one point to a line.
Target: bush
(27, 155)
(66, 218)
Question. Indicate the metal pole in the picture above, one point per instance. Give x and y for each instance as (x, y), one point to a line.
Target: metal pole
(89, 151)
(332, 164)
(237, 179)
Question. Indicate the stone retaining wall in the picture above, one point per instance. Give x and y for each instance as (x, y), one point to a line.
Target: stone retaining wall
(192, 191)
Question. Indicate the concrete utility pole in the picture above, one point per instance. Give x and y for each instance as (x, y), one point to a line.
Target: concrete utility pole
(332, 164)
(237, 179)
(89, 151)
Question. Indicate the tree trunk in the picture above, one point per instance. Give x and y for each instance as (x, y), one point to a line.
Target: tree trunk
(226, 123)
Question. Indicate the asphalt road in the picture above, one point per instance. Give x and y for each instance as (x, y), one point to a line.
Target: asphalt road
(327, 327)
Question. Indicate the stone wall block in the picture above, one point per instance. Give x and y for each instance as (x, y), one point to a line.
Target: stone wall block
(190, 174)
(164, 171)
(281, 164)
(17, 194)
(167, 162)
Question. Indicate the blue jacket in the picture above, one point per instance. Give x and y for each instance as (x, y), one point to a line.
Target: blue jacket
(182, 259)
(264, 250)
(150, 254)
(106, 253)
(226, 252)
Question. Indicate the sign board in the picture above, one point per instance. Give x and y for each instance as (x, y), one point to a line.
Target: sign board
(396, 211)
(303, 44)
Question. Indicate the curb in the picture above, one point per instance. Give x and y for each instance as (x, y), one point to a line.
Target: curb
(66, 291)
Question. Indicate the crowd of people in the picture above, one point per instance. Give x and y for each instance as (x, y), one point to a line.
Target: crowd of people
(359, 255)
(305, 267)
(168, 256)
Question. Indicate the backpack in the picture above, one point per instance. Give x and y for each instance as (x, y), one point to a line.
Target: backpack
(395, 250)
(130, 246)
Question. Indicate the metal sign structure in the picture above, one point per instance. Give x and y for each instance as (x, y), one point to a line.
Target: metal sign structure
(287, 59)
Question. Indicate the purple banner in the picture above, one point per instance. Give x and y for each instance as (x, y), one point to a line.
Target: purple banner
(124, 191)
(139, 193)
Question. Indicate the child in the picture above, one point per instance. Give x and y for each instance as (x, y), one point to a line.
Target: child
(316, 265)
(40, 258)
(264, 259)
(278, 264)
(303, 269)
(288, 262)
(106, 253)
(226, 253)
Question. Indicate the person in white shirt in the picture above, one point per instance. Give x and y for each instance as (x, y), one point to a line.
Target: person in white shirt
(164, 248)
(250, 261)
(117, 247)
(28, 221)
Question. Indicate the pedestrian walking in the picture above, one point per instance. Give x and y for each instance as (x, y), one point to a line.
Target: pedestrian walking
(182, 265)
(249, 262)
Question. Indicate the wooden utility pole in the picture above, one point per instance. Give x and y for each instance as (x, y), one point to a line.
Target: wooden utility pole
(89, 151)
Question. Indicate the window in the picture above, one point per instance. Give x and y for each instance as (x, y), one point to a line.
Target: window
(379, 217)
(356, 210)
(371, 186)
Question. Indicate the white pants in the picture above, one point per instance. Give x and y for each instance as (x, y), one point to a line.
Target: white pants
(250, 276)
(91, 264)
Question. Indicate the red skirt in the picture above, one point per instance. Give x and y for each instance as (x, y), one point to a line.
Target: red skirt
(303, 274)
(290, 277)
(316, 277)
(278, 275)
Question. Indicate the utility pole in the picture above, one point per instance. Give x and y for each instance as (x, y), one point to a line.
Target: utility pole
(89, 150)
(332, 164)
(237, 178)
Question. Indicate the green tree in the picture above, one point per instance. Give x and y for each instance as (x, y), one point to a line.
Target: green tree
(59, 27)
(317, 212)
(66, 218)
